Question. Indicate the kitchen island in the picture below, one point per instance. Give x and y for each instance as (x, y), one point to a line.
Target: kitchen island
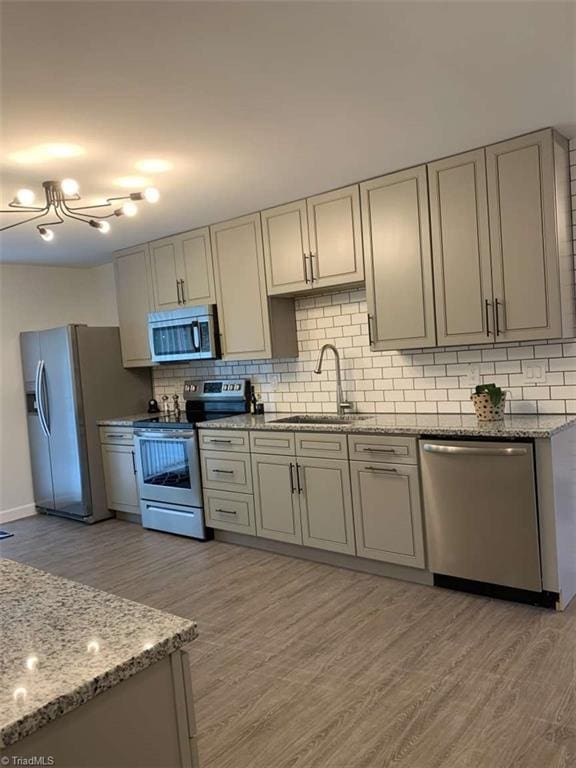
(91, 679)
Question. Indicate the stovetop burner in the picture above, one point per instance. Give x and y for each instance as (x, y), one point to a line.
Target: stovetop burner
(183, 421)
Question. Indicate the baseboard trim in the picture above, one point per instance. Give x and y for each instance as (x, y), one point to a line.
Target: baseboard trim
(16, 513)
(337, 559)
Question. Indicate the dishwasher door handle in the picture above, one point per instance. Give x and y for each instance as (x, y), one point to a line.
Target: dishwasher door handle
(460, 450)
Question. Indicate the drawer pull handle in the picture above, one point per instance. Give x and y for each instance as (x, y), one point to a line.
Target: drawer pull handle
(381, 469)
(117, 436)
(380, 450)
(224, 471)
(217, 440)
(227, 511)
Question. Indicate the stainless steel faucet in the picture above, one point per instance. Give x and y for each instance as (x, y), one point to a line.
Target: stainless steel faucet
(341, 405)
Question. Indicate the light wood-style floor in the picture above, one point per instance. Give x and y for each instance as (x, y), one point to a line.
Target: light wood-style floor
(301, 665)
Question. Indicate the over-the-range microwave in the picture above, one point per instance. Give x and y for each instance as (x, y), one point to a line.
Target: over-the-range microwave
(184, 334)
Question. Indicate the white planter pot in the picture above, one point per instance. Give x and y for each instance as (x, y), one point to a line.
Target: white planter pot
(485, 410)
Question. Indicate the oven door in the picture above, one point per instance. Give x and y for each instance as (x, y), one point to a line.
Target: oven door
(182, 339)
(167, 466)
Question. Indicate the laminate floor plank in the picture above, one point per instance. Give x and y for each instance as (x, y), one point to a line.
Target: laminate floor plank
(302, 665)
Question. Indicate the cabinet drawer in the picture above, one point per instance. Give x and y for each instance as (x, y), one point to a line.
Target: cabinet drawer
(321, 445)
(224, 440)
(229, 511)
(400, 450)
(280, 443)
(116, 435)
(223, 471)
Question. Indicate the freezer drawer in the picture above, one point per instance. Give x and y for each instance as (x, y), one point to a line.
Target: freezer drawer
(480, 512)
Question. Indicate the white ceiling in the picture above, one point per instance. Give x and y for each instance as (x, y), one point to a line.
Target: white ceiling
(260, 103)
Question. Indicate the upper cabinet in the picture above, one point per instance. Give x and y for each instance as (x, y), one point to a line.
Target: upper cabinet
(399, 289)
(314, 243)
(252, 326)
(501, 242)
(182, 272)
(461, 249)
(134, 297)
(528, 198)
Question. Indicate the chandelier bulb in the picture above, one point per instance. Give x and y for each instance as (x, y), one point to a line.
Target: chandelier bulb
(151, 194)
(46, 234)
(70, 187)
(104, 227)
(25, 196)
(129, 208)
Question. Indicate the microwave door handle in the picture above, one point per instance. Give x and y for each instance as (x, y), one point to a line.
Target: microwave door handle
(196, 335)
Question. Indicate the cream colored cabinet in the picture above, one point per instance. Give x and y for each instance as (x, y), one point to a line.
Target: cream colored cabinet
(326, 504)
(303, 500)
(182, 272)
(387, 512)
(286, 248)
(119, 469)
(500, 242)
(276, 499)
(532, 268)
(461, 249)
(399, 288)
(252, 326)
(314, 243)
(134, 299)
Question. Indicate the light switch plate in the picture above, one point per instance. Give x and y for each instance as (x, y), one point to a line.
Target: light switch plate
(534, 371)
(473, 375)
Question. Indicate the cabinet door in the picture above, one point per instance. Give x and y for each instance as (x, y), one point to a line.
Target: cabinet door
(396, 230)
(387, 513)
(243, 311)
(461, 249)
(134, 297)
(197, 273)
(285, 235)
(120, 478)
(276, 498)
(336, 256)
(326, 504)
(165, 259)
(523, 237)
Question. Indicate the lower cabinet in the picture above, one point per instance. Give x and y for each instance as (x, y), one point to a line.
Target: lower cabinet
(276, 498)
(387, 512)
(120, 478)
(304, 501)
(326, 504)
(229, 511)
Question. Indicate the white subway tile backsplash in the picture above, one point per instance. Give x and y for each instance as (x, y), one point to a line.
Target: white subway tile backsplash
(421, 381)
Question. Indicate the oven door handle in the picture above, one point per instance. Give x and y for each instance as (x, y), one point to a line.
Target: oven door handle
(165, 434)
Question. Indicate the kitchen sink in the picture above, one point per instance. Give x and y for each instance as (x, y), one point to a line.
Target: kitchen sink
(305, 419)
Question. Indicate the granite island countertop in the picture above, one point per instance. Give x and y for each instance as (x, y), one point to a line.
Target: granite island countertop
(62, 643)
(513, 427)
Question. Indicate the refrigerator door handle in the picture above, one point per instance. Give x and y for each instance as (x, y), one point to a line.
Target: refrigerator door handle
(43, 399)
(38, 396)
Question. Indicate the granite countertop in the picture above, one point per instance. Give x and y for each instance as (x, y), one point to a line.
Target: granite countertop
(123, 421)
(62, 643)
(407, 424)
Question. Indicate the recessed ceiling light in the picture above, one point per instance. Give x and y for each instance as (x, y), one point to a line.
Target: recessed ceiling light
(41, 153)
(132, 181)
(153, 165)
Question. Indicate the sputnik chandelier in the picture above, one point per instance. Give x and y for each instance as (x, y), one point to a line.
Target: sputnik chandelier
(58, 195)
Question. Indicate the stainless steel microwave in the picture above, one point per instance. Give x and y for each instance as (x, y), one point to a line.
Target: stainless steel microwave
(184, 334)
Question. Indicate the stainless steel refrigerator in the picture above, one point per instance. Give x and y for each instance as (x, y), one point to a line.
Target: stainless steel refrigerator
(73, 376)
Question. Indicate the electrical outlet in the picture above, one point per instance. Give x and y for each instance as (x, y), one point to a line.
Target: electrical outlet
(534, 371)
(274, 379)
(473, 374)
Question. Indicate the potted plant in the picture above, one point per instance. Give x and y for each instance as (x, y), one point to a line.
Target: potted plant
(489, 401)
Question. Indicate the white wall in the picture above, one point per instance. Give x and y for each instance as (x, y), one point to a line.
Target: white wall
(33, 298)
(420, 381)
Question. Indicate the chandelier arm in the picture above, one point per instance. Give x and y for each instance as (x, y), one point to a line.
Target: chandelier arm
(15, 207)
(109, 201)
(69, 215)
(26, 221)
(88, 215)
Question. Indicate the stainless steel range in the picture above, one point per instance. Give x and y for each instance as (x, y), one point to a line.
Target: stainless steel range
(167, 456)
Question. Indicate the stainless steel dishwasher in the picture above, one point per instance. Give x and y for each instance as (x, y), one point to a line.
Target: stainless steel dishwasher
(481, 512)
